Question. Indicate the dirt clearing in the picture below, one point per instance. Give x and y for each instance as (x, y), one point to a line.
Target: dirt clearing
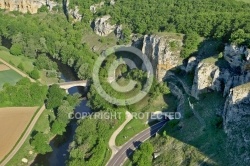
(3, 67)
(13, 122)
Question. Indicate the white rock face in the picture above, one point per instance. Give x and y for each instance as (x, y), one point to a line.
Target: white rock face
(25, 6)
(75, 14)
(102, 27)
(118, 32)
(208, 76)
(204, 78)
(93, 8)
(192, 62)
(112, 2)
(236, 118)
(236, 55)
(158, 51)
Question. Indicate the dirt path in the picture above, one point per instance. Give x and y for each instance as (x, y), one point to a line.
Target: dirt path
(24, 137)
(16, 70)
(112, 145)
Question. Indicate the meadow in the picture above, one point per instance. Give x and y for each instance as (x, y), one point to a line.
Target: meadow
(9, 76)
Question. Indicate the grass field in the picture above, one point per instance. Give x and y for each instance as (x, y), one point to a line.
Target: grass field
(166, 103)
(204, 143)
(9, 76)
(13, 122)
(16, 60)
(247, 1)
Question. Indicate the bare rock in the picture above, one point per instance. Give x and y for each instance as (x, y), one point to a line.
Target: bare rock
(75, 14)
(25, 6)
(24, 160)
(236, 56)
(102, 27)
(118, 32)
(236, 117)
(158, 51)
(93, 8)
(112, 2)
(192, 62)
(204, 78)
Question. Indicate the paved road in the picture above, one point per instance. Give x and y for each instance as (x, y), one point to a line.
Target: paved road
(24, 137)
(127, 149)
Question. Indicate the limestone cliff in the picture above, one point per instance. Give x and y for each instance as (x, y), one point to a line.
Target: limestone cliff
(25, 6)
(102, 26)
(204, 78)
(212, 76)
(158, 51)
(236, 56)
(236, 118)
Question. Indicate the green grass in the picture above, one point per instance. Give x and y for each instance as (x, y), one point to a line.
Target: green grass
(27, 64)
(45, 80)
(16, 60)
(247, 1)
(131, 129)
(189, 135)
(136, 125)
(9, 76)
(128, 163)
(98, 42)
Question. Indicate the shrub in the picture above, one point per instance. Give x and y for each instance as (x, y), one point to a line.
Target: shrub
(16, 49)
(35, 74)
(20, 66)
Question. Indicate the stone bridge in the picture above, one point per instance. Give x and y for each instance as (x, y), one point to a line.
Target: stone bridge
(68, 85)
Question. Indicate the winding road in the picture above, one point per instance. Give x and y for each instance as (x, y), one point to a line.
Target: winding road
(128, 148)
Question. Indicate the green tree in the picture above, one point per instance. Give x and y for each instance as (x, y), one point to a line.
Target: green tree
(55, 96)
(16, 49)
(40, 143)
(20, 66)
(239, 37)
(35, 74)
(143, 156)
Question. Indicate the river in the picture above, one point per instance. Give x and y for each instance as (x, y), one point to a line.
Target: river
(60, 144)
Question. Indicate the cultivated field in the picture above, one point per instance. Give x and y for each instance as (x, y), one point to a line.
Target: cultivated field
(8, 76)
(13, 122)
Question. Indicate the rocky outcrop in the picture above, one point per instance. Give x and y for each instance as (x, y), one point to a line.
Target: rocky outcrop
(192, 62)
(112, 2)
(236, 118)
(205, 76)
(25, 6)
(75, 14)
(102, 26)
(93, 8)
(118, 32)
(158, 51)
(211, 76)
(237, 56)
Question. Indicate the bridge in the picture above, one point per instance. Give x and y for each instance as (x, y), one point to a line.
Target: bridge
(68, 85)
